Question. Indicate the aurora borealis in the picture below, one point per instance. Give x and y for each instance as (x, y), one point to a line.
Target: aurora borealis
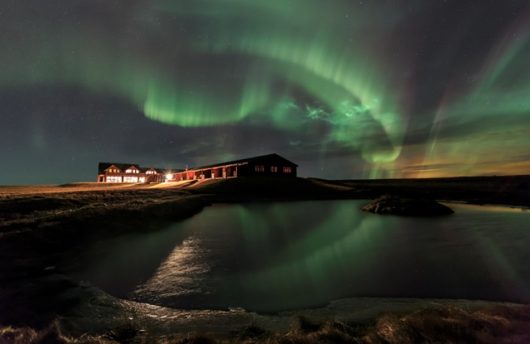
(347, 89)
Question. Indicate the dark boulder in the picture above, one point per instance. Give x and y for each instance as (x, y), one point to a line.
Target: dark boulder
(394, 205)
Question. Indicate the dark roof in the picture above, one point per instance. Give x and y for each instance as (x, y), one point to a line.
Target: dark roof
(272, 156)
(102, 166)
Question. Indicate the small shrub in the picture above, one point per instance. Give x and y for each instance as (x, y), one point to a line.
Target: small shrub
(123, 334)
(10, 335)
(303, 324)
(252, 331)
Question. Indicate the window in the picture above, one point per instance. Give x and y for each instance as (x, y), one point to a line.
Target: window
(112, 169)
(113, 179)
(274, 169)
(127, 179)
(259, 168)
(287, 169)
(131, 170)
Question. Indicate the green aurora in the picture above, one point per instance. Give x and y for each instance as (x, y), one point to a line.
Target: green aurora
(294, 65)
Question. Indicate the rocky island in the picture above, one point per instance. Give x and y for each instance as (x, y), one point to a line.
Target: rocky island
(418, 207)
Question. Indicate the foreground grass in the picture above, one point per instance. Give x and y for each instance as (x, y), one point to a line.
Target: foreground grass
(450, 324)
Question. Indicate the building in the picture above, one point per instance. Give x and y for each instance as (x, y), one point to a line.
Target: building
(112, 172)
(264, 165)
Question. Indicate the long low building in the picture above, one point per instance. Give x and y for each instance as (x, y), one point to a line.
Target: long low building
(264, 165)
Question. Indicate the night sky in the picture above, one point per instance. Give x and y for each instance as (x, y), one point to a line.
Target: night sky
(346, 89)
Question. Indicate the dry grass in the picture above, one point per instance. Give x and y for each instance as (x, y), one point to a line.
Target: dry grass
(507, 324)
(433, 325)
(454, 325)
(50, 335)
(29, 212)
(13, 191)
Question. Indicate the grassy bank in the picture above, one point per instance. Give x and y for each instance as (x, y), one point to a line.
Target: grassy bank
(34, 229)
(506, 190)
(503, 190)
(441, 324)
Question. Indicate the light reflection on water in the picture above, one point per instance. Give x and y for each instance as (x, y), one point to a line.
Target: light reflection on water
(182, 273)
(272, 256)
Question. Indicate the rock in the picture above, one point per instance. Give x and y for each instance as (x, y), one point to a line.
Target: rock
(394, 205)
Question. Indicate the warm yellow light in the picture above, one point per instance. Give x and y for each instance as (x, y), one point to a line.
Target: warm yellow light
(169, 176)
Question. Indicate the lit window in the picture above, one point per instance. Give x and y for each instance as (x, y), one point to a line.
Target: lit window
(113, 179)
(129, 179)
(274, 169)
(259, 168)
(287, 169)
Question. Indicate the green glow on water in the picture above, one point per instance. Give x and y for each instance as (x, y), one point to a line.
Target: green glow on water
(319, 256)
(345, 242)
(277, 256)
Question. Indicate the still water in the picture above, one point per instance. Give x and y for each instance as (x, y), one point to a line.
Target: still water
(275, 256)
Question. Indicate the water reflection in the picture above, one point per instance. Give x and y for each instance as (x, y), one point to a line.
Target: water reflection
(182, 273)
(289, 255)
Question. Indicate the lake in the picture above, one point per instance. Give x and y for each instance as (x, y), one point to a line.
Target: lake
(275, 256)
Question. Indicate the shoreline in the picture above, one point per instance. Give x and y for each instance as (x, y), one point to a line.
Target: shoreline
(83, 313)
